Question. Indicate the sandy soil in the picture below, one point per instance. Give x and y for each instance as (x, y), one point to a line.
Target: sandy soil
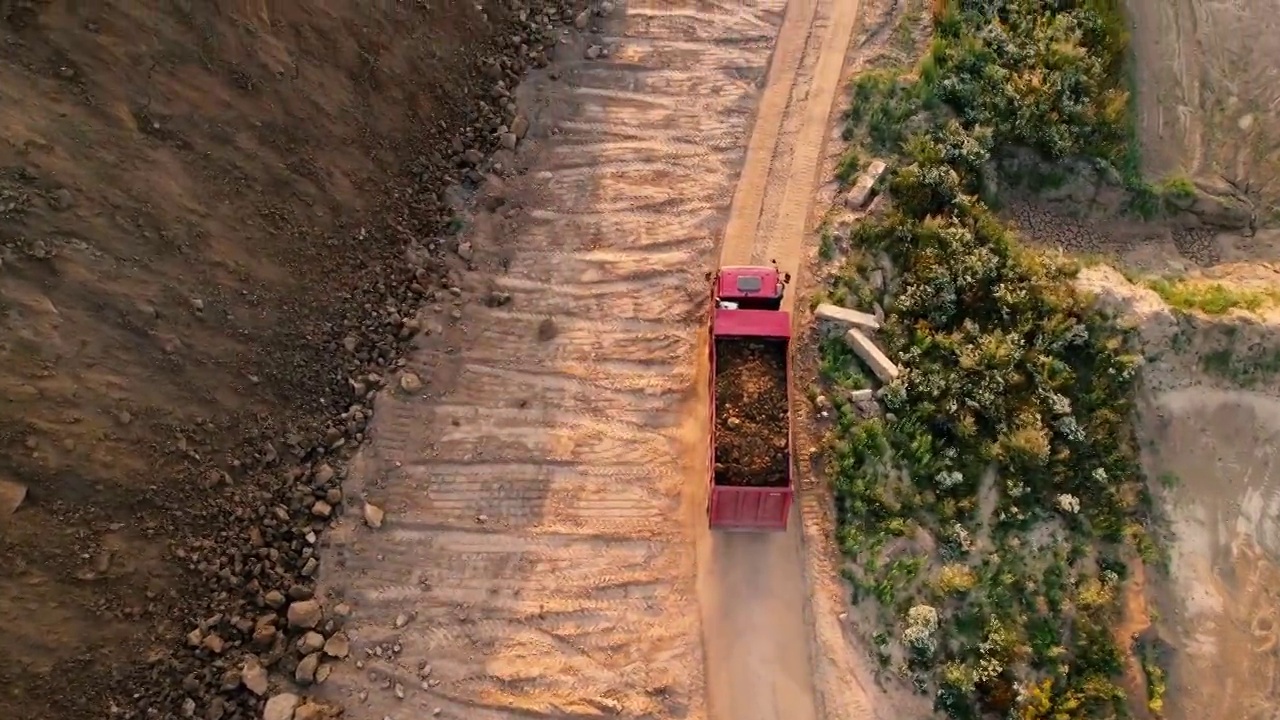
(545, 549)
(194, 200)
(537, 523)
(1208, 93)
(1225, 587)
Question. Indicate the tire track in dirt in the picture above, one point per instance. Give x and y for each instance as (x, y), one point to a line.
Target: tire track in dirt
(748, 199)
(536, 534)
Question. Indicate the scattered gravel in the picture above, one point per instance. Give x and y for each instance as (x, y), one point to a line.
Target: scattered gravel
(260, 627)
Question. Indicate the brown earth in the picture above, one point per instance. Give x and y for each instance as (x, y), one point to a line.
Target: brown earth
(1208, 419)
(1207, 95)
(204, 211)
(751, 413)
(545, 492)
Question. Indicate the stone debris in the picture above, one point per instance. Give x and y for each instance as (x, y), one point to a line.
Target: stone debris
(305, 614)
(253, 676)
(410, 383)
(373, 515)
(305, 673)
(264, 625)
(847, 317)
(311, 642)
(281, 707)
(862, 190)
(313, 711)
(873, 356)
(337, 646)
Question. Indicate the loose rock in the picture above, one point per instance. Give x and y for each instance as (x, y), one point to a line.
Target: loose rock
(253, 676)
(410, 383)
(373, 515)
(281, 707)
(312, 711)
(337, 646)
(12, 495)
(306, 671)
(214, 644)
(310, 642)
(305, 614)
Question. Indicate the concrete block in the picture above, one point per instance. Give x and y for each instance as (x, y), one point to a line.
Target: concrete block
(847, 317)
(860, 193)
(862, 395)
(873, 356)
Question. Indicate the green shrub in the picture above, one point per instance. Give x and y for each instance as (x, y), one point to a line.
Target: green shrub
(1043, 76)
(1011, 380)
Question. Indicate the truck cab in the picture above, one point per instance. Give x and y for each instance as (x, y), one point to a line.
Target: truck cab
(740, 287)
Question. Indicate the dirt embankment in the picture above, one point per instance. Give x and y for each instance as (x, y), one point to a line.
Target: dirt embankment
(1206, 97)
(1208, 419)
(204, 211)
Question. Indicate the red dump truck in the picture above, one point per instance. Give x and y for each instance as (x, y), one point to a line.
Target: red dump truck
(750, 455)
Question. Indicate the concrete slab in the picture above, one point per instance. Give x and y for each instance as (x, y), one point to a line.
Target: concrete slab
(847, 317)
(873, 356)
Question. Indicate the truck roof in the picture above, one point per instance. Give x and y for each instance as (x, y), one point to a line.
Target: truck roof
(739, 280)
(751, 323)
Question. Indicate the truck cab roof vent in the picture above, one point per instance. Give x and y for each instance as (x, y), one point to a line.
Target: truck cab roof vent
(749, 283)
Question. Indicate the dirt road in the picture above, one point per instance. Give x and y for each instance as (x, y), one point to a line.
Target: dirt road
(776, 669)
(545, 498)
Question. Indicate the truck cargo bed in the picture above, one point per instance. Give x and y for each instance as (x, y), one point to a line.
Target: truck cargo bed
(751, 412)
(751, 481)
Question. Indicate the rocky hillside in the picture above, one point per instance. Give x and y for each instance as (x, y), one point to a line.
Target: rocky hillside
(205, 210)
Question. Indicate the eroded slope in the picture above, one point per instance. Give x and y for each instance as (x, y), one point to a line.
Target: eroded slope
(202, 207)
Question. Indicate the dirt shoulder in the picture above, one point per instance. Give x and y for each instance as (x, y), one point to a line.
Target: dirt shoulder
(203, 217)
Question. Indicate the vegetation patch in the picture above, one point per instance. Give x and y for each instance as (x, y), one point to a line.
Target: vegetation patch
(1210, 298)
(1049, 79)
(990, 514)
(1149, 652)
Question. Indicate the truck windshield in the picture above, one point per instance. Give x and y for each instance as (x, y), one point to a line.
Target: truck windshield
(758, 303)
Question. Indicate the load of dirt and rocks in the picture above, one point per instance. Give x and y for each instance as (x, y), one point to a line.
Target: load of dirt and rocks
(751, 413)
(216, 233)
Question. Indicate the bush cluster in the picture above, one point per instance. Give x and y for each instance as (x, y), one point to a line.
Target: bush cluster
(1007, 441)
(1042, 75)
